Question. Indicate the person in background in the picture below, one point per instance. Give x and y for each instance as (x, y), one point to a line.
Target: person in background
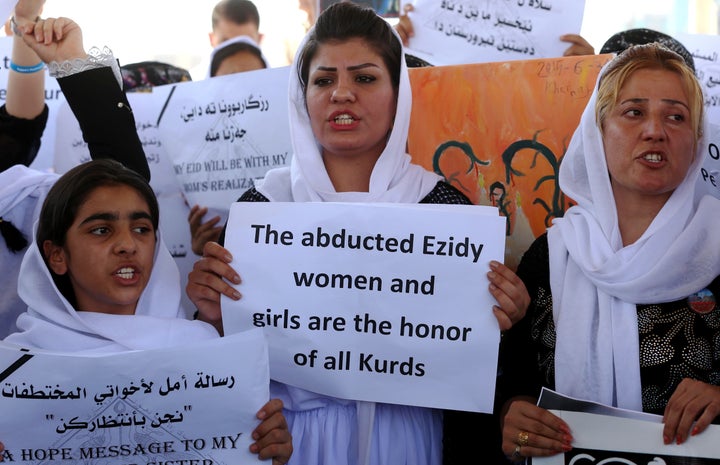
(144, 75)
(236, 55)
(631, 269)
(350, 102)
(233, 18)
(622, 40)
(24, 115)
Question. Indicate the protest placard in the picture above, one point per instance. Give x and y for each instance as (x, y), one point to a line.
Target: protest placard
(449, 32)
(704, 49)
(609, 435)
(193, 405)
(376, 302)
(225, 132)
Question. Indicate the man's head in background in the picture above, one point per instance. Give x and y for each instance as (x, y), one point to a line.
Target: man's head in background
(233, 18)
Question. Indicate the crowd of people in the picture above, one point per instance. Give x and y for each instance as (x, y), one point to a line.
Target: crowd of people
(603, 306)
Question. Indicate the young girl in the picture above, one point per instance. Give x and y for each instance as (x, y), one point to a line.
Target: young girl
(98, 279)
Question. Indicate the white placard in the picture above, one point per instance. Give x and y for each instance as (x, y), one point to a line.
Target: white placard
(189, 404)
(704, 49)
(225, 132)
(449, 32)
(376, 302)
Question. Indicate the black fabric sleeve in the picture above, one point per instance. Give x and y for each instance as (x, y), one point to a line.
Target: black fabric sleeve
(250, 195)
(518, 361)
(105, 117)
(20, 138)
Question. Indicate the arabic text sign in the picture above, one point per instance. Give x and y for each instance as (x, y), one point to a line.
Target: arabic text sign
(471, 31)
(707, 68)
(223, 133)
(141, 407)
(376, 302)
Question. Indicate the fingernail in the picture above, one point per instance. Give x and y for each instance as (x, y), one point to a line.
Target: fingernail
(666, 440)
(566, 447)
(228, 257)
(236, 295)
(493, 264)
(695, 431)
(236, 279)
(261, 414)
(679, 439)
(568, 439)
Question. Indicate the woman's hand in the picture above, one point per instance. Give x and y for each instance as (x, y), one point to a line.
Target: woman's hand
(511, 295)
(28, 10)
(210, 278)
(272, 438)
(200, 232)
(692, 402)
(579, 46)
(531, 431)
(404, 26)
(54, 39)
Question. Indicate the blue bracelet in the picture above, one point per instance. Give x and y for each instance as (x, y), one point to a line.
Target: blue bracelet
(27, 69)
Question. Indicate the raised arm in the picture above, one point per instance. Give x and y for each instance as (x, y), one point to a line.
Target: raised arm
(91, 85)
(24, 115)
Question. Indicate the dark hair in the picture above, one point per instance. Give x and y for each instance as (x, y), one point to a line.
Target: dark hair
(236, 11)
(231, 50)
(69, 193)
(621, 41)
(346, 20)
(144, 75)
(497, 185)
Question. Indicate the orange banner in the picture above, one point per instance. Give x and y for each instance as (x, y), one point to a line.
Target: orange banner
(497, 132)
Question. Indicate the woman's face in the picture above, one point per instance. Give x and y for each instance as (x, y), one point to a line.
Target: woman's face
(648, 139)
(108, 252)
(350, 100)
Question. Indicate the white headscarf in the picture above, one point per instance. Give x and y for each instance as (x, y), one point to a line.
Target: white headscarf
(235, 40)
(394, 177)
(596, 282)
(51, 323)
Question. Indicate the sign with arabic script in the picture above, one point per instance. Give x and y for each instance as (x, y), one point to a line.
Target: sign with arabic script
(184, 405)
(451, 32)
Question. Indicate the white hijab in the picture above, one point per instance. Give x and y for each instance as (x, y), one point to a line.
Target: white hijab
(51, 323)
(596, 282)
(235, 40)
(394, 178)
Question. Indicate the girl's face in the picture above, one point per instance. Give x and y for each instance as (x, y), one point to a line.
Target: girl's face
(350, 100)
(109, 250)
(648, 137)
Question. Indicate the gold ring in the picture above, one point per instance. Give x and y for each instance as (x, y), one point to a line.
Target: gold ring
(523, 438)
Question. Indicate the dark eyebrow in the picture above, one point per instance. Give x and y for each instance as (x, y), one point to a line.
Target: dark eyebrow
(349, 68)
(107, 216)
